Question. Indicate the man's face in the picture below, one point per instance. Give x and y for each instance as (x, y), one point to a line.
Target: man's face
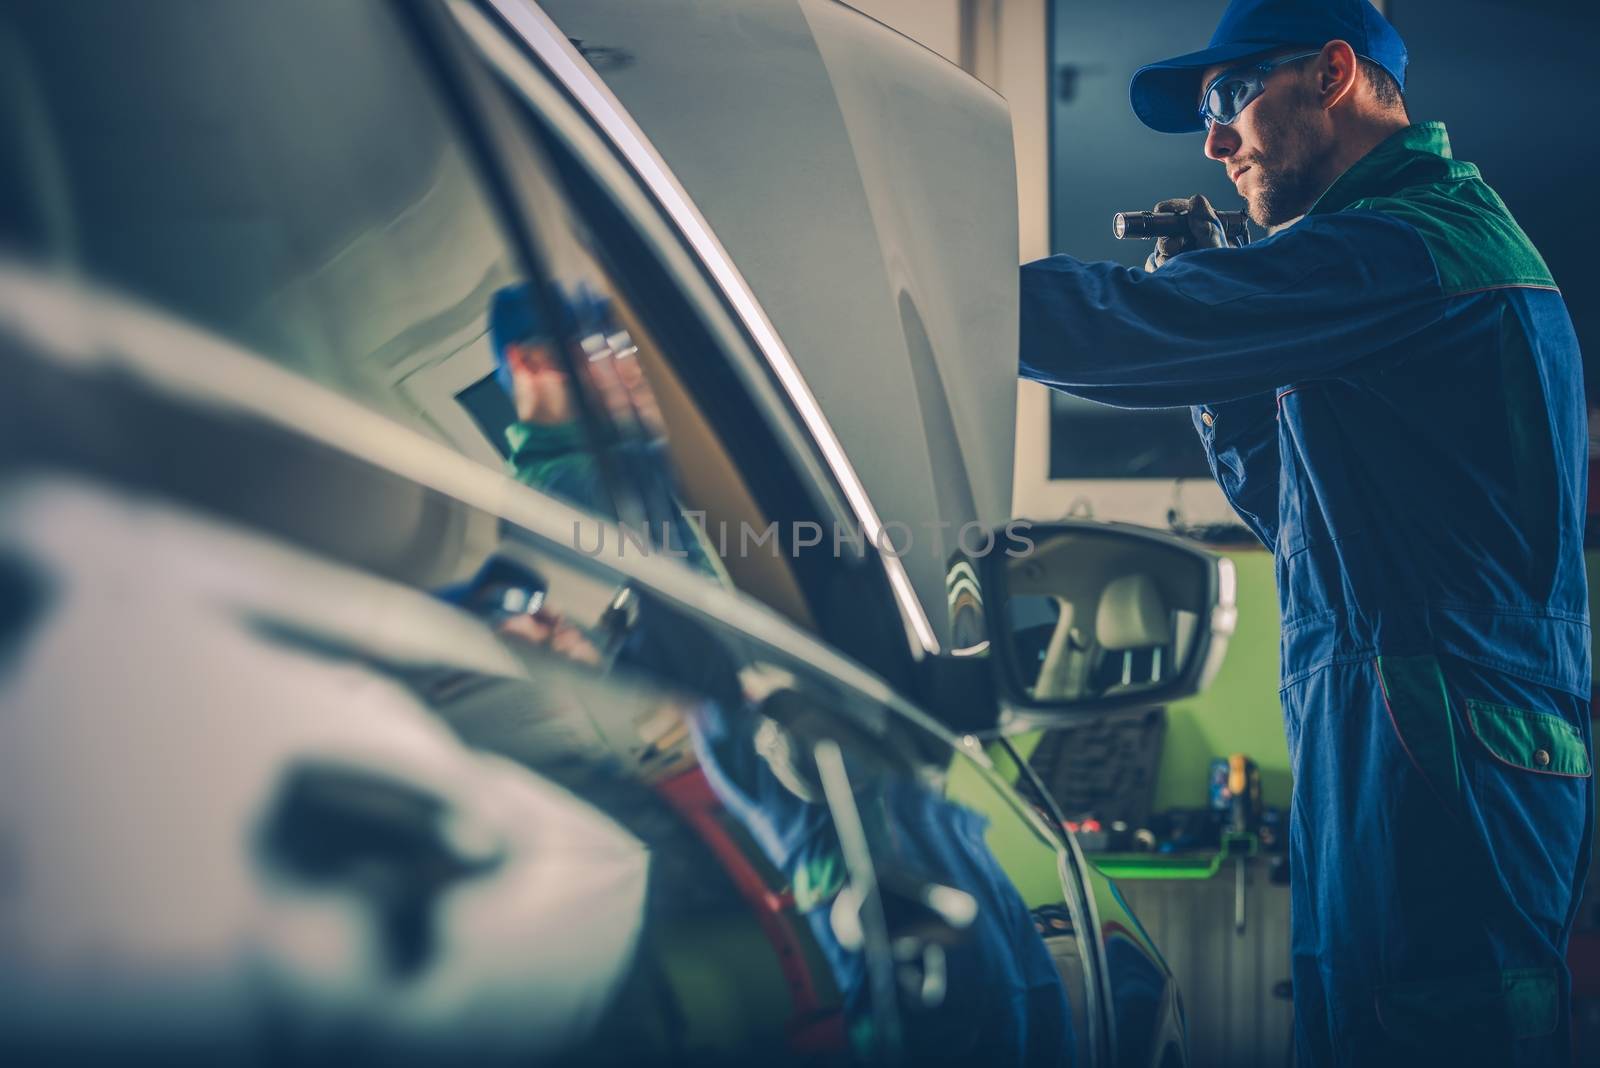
(1271, 150)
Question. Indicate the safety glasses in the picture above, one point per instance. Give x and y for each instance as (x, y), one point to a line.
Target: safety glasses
(1232, 91)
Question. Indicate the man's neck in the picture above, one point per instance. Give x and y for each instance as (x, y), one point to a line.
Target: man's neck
(1351, 145)
(1348, 147)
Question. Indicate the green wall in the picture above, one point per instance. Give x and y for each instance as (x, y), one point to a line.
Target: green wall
(1239, 712)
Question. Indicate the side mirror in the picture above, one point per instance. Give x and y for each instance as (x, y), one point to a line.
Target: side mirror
(1090, 617)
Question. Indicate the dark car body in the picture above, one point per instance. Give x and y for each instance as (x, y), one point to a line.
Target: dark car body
(326, 736)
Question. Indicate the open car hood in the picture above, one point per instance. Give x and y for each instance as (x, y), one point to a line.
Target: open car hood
(866, 189)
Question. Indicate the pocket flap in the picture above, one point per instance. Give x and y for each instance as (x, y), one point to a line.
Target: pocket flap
(1533, 741)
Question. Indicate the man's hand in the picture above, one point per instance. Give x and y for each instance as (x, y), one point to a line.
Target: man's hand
(1205, 230)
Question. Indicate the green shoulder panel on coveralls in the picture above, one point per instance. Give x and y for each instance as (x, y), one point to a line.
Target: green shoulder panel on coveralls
(1475, 242)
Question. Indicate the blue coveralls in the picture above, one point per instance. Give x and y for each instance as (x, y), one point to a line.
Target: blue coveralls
(1390, 395)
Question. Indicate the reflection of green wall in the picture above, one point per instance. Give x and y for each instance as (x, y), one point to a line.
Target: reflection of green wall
(1029, 861)
(1239, 712)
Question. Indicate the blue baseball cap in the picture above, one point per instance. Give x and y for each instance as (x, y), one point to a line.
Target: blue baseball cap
(513, 318)
(1166, 95)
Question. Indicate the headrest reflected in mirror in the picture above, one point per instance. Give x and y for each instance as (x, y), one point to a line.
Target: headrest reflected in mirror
(1132, 614)
(1100, 615)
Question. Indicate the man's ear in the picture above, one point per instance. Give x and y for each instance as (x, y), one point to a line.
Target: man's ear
(1336, 73)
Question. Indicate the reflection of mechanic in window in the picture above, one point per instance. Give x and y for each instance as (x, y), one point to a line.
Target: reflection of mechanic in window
(1004, 1002)
(548, 447)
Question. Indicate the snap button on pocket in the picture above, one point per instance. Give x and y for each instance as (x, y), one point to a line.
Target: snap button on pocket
(1541, 757)
(1207, 418)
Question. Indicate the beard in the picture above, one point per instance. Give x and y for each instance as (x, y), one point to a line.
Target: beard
(1286, 169)
(1282, 195)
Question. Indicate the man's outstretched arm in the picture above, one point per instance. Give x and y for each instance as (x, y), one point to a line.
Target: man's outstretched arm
(1213, 325)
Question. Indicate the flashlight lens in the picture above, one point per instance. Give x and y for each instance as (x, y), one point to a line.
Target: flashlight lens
(1119, 226)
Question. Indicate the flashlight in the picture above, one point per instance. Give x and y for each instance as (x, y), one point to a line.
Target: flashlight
(1127, 225)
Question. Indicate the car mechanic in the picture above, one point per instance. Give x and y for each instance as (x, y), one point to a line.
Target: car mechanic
(1389, 392)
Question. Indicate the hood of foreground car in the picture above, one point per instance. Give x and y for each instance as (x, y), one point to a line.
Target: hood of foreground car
(866, 189)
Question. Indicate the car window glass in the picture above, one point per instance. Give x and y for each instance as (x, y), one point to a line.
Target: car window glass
(288, 175)
(642, 367)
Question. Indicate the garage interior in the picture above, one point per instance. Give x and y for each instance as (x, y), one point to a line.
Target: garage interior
(334, 334)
